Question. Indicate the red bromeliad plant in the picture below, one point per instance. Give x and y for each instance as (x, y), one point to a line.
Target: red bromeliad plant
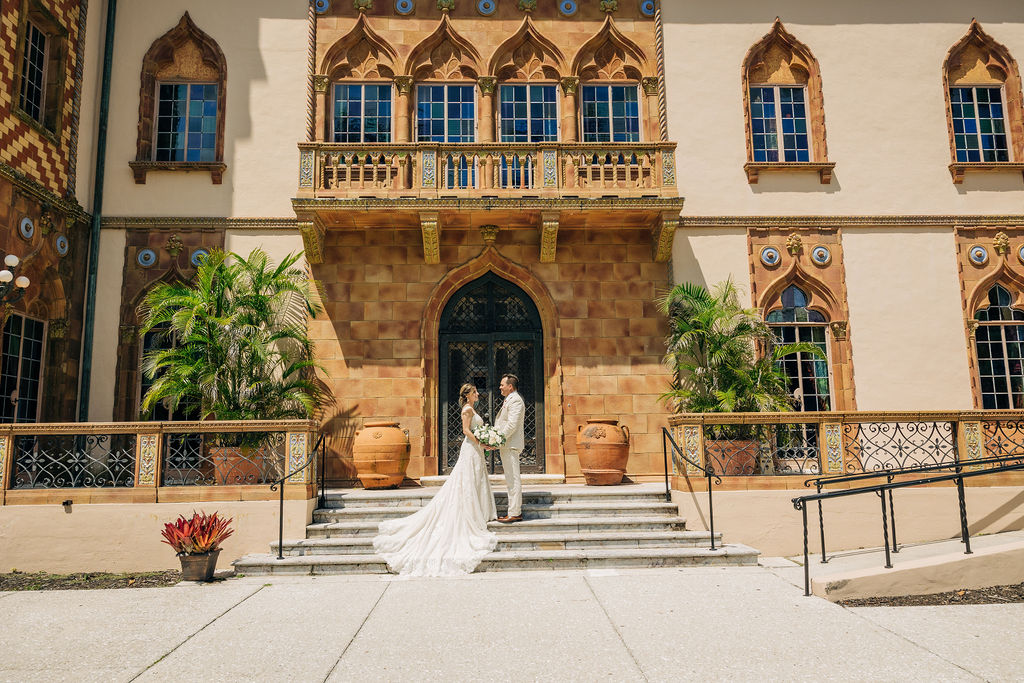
(199, 535)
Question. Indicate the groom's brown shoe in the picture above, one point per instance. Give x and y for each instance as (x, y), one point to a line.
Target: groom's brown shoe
(509, 520)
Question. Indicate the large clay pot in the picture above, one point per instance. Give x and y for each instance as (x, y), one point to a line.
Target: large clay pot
(603, 449)
(381, 455)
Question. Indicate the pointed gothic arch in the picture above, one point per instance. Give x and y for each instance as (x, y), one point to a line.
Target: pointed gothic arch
(779, 59)
(185, 54)
(1006, 276)
(444, 55)
(977, 59)
(610, 55)
(819, 297)
(360, 54)
(527, 55)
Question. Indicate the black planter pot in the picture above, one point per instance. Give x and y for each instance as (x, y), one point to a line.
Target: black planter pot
(198, 567)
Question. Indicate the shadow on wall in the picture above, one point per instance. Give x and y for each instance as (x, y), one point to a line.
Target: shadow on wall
(1007, 181)
(863, 12)
(794, 182)
(340, 431)
(1001, 513)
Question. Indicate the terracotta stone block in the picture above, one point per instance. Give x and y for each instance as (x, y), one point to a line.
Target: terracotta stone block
(573, 309)
(604, 348)
(616, 290)
(418, 291)
(590, 404)
(380, 237)
(409, 348)
(571, 272)
(603, 384)
(638, 253)
(350, 273)
(365, 329)
(576, 385)
(586, 290)
(614, 328)
(408, 310)
(567, 327)
(394, 291)
(643, 327)
(649, 403)
(379, 349)
(588, 328)
(378, 273)
(378, 388)
(628, 310)
(364, 291)
(379, 310)
(561, 291)
(392, 330)
(406, 272)
(600, 271)
(337, 291)
(630, 384)
(624, 272)
(601, 309)
(644, 291)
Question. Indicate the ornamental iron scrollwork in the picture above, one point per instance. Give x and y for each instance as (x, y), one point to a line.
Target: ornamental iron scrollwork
(1001, 438)
(223, 458)
(876, 446)
(67, 461)
(768, 449)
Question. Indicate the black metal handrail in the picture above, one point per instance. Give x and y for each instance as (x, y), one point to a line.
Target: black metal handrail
(800, 503)
(709, 472)
(279, 485)
(891, 473)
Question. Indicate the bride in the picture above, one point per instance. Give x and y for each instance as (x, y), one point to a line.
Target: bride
(449, 535)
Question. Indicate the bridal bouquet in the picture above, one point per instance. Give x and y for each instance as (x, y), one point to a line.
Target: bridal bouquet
(489, 436)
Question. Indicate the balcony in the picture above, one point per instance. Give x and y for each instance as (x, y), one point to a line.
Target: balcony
(426, 186)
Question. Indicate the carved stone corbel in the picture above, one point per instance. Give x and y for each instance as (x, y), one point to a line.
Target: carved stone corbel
(430, 226)
(664, 235)
(312, 232)
(321, 82)
(548, 236)
(972, 328)
(838, 328)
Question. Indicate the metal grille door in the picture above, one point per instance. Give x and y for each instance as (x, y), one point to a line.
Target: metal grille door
(490, 328)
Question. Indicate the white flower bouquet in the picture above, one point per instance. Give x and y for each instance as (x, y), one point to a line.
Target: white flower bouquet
(489, 436)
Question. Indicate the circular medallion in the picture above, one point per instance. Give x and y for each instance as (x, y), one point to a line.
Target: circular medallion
(27, 228)
(567, 7)
(323, 5)
(146, 258)
(647, 8)
(770, 256)
(978, 255)
(486, 7)
(1020, 254)
(198, 255)
(62, 244)
(821, 255)
(404, 6)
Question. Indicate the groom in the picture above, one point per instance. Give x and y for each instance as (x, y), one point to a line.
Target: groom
(510, 423)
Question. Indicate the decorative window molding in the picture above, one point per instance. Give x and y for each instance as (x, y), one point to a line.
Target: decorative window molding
(810, 377)
(528, 56)
(998, 332)
(979, 68)
(183, 55)
(361, 55)
(444, 55)
(40, 76)
(362, 112)
(781, 63)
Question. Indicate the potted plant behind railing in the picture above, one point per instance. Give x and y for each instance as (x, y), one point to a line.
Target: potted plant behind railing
(242, 352)
(197, 543)
(725, 359)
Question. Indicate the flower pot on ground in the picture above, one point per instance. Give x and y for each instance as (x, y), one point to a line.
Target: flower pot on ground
(380, 454)
(196, 540)
(603, 450)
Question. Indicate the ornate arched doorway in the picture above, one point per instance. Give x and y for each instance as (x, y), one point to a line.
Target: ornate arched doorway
(488, 328)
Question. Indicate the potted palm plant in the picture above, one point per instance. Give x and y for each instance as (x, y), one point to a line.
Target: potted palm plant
(725, 358)
(242, 352)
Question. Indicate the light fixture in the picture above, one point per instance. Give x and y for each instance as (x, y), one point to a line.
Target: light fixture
(12, 285)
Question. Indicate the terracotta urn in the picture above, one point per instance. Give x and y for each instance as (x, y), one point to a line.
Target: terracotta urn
(381, 455)
(603, 449)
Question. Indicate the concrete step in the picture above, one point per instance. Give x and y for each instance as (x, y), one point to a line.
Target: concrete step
(728, 555)
(499, 480)
(418, 497)
(512, 541)
(530, 511)
(558, 524)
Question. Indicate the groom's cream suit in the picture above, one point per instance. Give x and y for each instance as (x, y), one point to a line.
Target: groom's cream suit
(510, 423)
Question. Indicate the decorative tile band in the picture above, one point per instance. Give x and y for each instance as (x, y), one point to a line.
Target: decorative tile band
(691, 446)
(147, 459)
(833, 447)
(297, 453)
(972, 441)
(429, 170)
(306, 169)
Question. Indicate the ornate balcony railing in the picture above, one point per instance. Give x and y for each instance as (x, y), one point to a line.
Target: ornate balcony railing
(134, 455)
(332, 170)
(772, 444)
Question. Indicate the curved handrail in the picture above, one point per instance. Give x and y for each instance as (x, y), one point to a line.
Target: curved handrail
(279, 484)
(667, 440)
(707, 471)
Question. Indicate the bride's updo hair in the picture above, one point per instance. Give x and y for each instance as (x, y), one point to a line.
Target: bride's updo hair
(464, 393)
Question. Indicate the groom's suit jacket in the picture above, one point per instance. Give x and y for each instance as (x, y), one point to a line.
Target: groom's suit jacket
(510, 421)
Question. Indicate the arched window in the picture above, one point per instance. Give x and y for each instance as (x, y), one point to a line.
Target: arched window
(808, 375)
(999, 342)
(21, 368)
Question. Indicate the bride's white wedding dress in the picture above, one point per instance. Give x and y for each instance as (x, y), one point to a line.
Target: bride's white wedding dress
(448, 536)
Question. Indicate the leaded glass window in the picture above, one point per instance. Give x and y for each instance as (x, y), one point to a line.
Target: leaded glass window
(979, 129)
(611, 113)
(529, 113)
(999, 342)
(808, 375)
(778, 123)
(445, 113)
(21, 367)
(362, 112)
(33, 72)
(186, 122)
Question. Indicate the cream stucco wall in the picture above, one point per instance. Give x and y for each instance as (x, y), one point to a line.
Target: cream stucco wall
(90, 104)
(109, 279)
(708, 256)
(264, 43)
(906, 319)
(881, 65)
(277, 243)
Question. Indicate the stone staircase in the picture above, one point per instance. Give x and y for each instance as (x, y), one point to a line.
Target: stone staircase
(563, 527)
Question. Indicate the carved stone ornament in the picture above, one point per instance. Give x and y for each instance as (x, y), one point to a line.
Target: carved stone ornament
(527, 5)
(363, 5)
(570, 84)
(650, 84)
(972, 328)
(58, 328)
(403, 84)
(489, 233)
(487, 84)
(609, 5)
(1002, 243)
(794, 244)
(174, 245)
(446, 5)
(839, 329)
(548, 237)
(321, 82)
(127, 334)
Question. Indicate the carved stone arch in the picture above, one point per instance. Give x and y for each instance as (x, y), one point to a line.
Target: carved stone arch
(527, 55)
(780, 59)
(51, 303)
(361, 54)
(819, 297)
(184, 54)
(978, 59)
(444, 55)
(1004, 275)
(610, 55)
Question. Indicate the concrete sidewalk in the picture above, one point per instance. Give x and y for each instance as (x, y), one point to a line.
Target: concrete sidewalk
(747, 623)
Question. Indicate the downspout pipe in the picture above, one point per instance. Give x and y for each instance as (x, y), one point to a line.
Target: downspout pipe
(97, 215)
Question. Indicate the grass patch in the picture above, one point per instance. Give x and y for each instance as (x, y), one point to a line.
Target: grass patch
(42, 581)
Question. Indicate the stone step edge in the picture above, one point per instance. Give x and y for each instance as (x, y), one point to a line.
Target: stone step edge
(525, 524)
(526, 479)
(429, 492)
(728, 550)
(527, 538)
(527, 507)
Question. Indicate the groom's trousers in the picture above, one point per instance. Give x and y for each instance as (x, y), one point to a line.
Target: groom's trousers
(510, 463)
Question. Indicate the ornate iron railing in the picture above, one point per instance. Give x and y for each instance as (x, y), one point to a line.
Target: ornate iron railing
(338, 170)
(222, 458)
(52, 461)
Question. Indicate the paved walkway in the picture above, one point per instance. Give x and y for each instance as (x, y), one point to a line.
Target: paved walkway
(748, 623)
